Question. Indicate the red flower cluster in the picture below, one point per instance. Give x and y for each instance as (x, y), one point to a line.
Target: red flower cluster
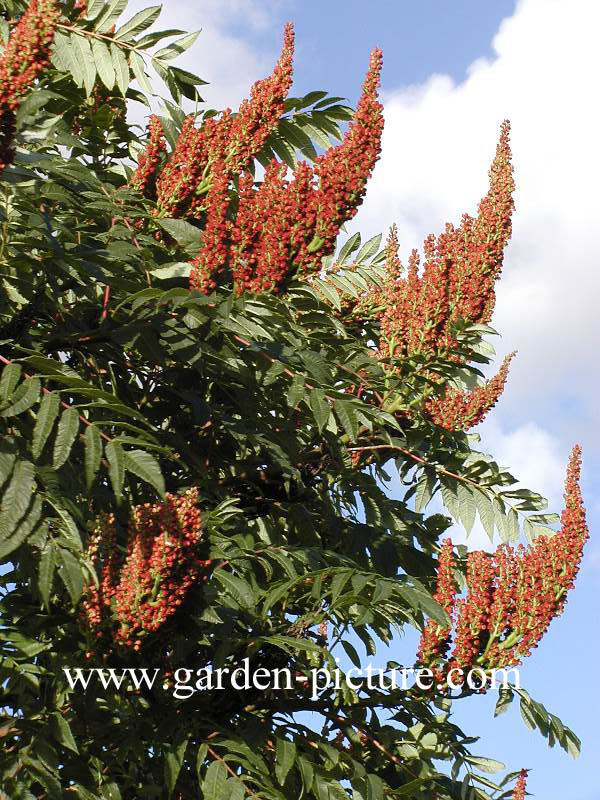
(473, 611)
(457, 410)
(461, 267)
(435, 639)
(291, 224)
(520, 786)
(512, 594)
(24, 57)
(213, 256)
(144, 177)
(182, 185)
(138, 594)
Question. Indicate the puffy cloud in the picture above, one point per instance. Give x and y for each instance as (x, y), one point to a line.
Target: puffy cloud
(531, 454)
(438, 143)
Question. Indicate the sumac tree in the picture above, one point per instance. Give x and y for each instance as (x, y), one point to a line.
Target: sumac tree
(201, 403)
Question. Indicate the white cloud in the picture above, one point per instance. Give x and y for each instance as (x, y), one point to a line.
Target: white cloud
(438, 142)
(530, 453)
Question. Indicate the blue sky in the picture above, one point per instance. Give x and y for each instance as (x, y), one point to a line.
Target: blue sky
(452, 72)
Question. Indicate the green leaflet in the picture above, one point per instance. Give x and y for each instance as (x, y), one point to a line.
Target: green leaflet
(47, 567)
(25, 396)
(14, 529)
(121, 67)
(104, 64)
(237, 588)
(146, 467)
(285, 756)
(173, 762)
(92, 453)
(70, 571)
(46, 417)
(213, 785)
(138, 23)
(116, 466)
(66, 433)
(82, 53)
(9, 380)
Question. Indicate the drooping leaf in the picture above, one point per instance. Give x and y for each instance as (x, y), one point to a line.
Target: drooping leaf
(116, 466)
(146, 467)
(46, 417)
(66, 433)
(92, 453)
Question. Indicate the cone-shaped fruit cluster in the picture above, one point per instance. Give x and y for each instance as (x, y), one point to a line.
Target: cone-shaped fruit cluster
(457, 410)
(138, 594)
(512, 595)
(285, 226)
(181, 187)
(462, 264)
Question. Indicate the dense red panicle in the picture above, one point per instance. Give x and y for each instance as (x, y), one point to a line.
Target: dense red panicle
(513, 594)
(262, 233)
(25, 56)
(144, 177)
(259, 115)
(458, 278)
(520, 786)
(473, 611)
(458, 410)
(212, 259)
(549, 569)
(233, 140)
(160, 567)
(287, 225)
(434, 640)
(342, 173)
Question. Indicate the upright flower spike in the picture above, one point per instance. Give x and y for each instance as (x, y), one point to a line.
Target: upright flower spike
(461, 267)
(183, 173)
(258, 116)
(233, 140)
(507, 573)
(513, 594)
(212, 258)
(458, 410)
(549, 568)
(393, 264)
(139, 594)
(26, 54)
(520, 786)
(473, 612)
(343, 172)
(103, 553)
(262, 232)
(144, 177)
(288, 226)
(435, 637)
